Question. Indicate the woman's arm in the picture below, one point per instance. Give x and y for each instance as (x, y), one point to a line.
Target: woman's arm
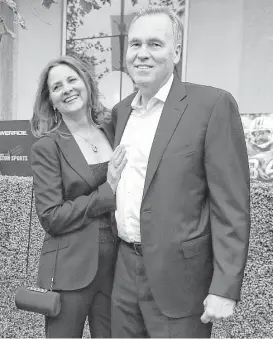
(56, 215)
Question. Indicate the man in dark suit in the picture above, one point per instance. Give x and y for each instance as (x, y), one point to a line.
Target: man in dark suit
(183, 199)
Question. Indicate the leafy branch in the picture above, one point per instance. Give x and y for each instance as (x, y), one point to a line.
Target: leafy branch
(4, 30)
(76, 11)
(18, 19)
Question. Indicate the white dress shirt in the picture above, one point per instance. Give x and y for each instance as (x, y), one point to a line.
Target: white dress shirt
(138, 137)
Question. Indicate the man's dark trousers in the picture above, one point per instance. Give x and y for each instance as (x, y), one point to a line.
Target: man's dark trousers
(134, 311)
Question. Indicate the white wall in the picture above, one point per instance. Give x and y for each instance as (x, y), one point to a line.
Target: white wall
(256, 71)
(36, 46)
(230, 45)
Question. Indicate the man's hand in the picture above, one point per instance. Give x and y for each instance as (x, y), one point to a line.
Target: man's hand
(115, 167)
(216, 308)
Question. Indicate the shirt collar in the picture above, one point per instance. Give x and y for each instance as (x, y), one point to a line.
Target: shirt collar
(161, 94)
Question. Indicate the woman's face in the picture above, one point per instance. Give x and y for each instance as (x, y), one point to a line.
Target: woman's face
(67, 90)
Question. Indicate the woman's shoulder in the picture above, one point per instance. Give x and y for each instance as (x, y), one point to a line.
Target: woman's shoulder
(45, 142)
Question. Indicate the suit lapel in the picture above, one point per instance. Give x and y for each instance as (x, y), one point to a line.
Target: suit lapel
(72, 153)
(108, 130)
(124, 113)
(173, 110)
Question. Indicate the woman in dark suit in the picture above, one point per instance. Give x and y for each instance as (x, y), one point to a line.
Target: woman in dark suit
(75, 195)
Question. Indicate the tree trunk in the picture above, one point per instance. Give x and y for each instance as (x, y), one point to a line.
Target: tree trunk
(6, 66)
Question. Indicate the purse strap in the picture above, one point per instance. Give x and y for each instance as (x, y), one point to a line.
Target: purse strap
(29, 238)
(29, 228)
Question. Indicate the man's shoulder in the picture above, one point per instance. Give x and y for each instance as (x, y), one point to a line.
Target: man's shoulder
(192, 88)
(206, 97)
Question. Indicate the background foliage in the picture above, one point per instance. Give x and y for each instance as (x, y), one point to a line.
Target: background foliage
(253, 316)
(78, 10)
(87, 47)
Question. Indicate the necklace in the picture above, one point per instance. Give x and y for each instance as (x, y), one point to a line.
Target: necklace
(93, 146)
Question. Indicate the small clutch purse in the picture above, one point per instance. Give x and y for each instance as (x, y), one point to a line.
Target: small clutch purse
(38, 300)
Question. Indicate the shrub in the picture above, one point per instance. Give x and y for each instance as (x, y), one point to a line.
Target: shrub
(254, 313)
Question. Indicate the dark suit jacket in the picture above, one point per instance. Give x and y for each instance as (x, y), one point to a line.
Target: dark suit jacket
(68, 206)
(195, 212)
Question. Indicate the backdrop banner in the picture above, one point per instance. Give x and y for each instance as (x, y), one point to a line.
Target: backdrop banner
(16, 140)
(258, 130)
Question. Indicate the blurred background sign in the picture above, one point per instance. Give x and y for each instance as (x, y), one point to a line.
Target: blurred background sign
(258, 130)
(16, 140)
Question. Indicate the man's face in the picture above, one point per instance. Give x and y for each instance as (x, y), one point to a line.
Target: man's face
(151, 53)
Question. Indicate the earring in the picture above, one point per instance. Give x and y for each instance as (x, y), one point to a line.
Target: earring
(55, 115)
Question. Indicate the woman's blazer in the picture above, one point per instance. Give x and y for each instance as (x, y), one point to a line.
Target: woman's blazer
(68, 206)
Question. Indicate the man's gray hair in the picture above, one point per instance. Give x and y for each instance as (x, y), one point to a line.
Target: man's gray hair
(176, 21)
